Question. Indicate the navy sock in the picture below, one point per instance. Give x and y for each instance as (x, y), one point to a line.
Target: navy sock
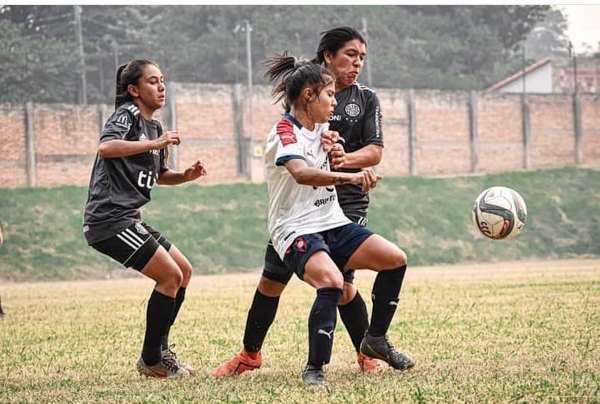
(321, 324)
(179, 298)
(385, 299)
(260, 317)
(355, 318)
(158, 317)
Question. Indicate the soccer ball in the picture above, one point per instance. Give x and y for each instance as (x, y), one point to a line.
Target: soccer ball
(499, 213)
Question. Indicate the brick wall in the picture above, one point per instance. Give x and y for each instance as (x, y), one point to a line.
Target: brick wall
(454, 133)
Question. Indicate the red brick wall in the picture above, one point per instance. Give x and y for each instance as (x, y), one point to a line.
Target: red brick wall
(499, 133)
(66, 135)
(13, 163)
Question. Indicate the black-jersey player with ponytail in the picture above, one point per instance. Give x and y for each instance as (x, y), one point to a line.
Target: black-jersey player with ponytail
(129, 162)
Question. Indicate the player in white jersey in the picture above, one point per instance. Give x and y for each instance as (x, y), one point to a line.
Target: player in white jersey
(293, 210)
(307, 225)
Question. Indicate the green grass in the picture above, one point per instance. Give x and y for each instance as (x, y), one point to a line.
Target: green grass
(223, 228)
(525, 331)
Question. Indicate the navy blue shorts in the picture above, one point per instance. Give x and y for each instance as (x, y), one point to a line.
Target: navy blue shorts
(340, 243)
(134, 246)
(276, 270)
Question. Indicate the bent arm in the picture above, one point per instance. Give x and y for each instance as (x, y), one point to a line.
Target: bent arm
(172, 177)
(305, 175)
(123, 148)
(367, 156)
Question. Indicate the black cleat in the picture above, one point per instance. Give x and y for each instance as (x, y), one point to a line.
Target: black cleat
(313, 376)
(381, 348)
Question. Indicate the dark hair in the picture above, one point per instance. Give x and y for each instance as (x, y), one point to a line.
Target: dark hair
(127, 74)
(334, 39)
(289, 76)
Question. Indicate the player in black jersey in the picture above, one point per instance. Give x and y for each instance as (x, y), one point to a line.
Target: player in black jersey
(357, 118)
(130, 160)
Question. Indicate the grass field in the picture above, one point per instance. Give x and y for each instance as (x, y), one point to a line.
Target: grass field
(525, 331)
(222, 228)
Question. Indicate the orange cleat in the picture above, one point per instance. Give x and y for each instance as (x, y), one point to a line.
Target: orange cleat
(240, 363)
(367, 364)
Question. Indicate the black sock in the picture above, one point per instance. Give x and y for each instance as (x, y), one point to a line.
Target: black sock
(385, 299)
(321, 324)
(158, 317)
(260, 317)
(355, 318)
(179, 298)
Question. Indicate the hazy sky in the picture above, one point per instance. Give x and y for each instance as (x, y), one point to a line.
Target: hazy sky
(584, 24)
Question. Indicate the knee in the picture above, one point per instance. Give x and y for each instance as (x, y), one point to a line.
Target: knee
(270, 288)
(332, 279)
(186, 271)
(399, 259)
(348, 295)
(174, 280)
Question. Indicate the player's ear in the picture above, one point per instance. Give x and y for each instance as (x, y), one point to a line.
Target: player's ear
(307, 93)
(133, 90)
(328, 56)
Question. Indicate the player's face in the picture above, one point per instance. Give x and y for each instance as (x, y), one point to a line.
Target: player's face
(321, 108)
(347, 62)
(151, 88)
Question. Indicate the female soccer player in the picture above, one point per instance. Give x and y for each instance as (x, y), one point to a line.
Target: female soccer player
(130, 160)
(357, 118)
(307, 226)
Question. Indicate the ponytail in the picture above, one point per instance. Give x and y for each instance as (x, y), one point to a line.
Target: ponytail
(290, 75)
(120, 96)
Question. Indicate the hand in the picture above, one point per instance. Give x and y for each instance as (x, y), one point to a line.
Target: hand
(195, 171)
(337, 156)
(369, 179)
(328, 139)
(167, 138)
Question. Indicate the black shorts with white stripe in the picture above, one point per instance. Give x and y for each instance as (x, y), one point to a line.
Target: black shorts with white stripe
(134, 246)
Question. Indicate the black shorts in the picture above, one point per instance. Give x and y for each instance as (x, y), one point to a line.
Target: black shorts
(340, 243)
(134, 246)
(276, 270)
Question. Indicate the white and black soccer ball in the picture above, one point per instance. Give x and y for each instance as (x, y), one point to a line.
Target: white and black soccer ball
(499, 213)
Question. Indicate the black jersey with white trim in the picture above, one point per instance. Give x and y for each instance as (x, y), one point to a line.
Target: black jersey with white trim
(120, 186)
(357, 118)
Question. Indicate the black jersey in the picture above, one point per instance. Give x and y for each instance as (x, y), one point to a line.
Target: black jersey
(357, 118)
(120, 186)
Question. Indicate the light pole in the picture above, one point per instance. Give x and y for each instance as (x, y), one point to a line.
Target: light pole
(576, 110)
(367, 63)
(79, 38)
(247, 28)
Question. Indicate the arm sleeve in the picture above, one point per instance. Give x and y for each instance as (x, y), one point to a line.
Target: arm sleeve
(288, 147)
(371, 131)
(118, 126)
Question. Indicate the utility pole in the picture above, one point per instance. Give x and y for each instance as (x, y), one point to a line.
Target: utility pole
(367, 63)
(249, 58)
(79, 36)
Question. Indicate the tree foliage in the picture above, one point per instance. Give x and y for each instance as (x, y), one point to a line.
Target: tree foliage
(442, 47)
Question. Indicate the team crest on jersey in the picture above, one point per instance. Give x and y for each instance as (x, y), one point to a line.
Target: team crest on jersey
(141, 229)
(123, 121)
(352, 109)
(300, 244)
